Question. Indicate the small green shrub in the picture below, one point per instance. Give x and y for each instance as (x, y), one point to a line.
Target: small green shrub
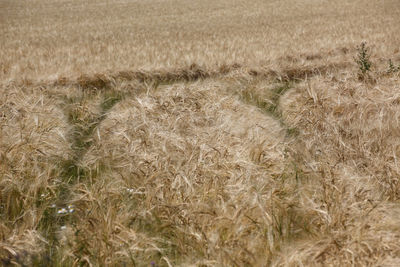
(392, 67)
(363, 58)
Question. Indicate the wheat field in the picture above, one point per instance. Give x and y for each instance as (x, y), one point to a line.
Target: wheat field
(199, 133)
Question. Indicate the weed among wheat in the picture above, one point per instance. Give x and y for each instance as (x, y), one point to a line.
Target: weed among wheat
(363, 58)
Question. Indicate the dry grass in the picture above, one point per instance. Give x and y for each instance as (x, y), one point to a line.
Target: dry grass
(181, 133)
(349, 130)
(33, 142)
(173, 167)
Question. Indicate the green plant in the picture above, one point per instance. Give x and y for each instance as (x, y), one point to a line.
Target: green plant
(392, 67)
(363, 58)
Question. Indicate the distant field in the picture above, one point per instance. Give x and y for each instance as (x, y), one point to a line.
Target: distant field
(199, 133)
(47, 39)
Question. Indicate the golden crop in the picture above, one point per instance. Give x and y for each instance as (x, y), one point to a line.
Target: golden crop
(199, 133)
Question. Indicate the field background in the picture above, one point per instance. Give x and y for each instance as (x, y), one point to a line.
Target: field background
(199, 133)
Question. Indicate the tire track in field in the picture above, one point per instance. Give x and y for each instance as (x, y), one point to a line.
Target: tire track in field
(80, 139)
(82, 130)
